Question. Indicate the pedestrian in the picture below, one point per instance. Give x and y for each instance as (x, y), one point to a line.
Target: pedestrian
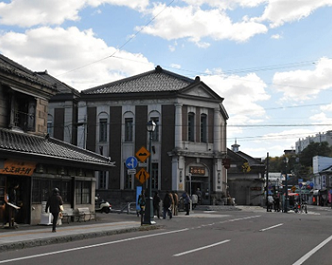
(194, 199)
(172, 201)
(54, 202)
(156, 204)
(270, 202)
(11, 208)
(186, 201)
(199, 194)
(167, 203)
(276, 203)
(176, 203)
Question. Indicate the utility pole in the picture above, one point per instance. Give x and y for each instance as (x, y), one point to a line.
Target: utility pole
(267, 182)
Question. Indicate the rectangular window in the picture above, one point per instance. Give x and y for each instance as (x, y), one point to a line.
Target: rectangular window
(128, 130)
(155, 133)
(50, 128)
(191, 127)
(23, 112)
(103, 130)
(102, 180)
(42, 189)
(203, 128)
(83, 192)
(154, 176)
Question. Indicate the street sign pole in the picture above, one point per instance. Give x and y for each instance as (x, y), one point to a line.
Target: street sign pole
(148, 216)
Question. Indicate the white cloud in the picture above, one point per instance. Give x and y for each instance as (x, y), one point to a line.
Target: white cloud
(61, 50)
(304, 84)
(225, 4)
(279, 12)
(176, 66)
(194, 23)
(242, 95)
(134, 4)
(321, 118)
(327, 108)
(27, 13)
(276, 36)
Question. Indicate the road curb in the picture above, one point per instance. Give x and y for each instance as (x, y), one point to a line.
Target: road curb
(70, 238)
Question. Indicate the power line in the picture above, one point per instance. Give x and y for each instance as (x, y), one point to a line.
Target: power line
(124, 44)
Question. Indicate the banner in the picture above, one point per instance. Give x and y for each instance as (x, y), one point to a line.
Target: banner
(18, 168)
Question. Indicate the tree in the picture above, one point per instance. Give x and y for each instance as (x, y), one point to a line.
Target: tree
(314, 149)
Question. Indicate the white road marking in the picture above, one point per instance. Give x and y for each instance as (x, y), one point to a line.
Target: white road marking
(91, 246)
(271, 227)
(201, 248)
(117, 241)
(313, 251)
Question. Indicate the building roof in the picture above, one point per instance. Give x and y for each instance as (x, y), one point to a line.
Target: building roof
(49, 150)
(62, 87)
(11, 68)
(158, 80)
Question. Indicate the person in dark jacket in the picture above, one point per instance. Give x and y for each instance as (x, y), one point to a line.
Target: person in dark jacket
(186, 201)
(167, 203)
(156, 204)
(54, 202)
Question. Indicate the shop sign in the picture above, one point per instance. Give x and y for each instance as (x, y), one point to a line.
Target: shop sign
(20, 168)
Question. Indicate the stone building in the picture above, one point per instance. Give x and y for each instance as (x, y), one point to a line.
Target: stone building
(187, 146)
(30, 158)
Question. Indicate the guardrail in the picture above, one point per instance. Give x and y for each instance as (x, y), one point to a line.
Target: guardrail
(129, 208)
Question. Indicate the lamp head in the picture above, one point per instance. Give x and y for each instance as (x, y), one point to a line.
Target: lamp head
(151, 126)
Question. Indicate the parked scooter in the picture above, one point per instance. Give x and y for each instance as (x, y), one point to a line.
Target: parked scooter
(102, 206)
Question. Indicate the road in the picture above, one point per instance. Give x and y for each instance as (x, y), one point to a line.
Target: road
(235, 237)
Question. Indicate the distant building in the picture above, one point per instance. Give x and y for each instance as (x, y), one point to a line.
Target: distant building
(245, 177)
(301, 144)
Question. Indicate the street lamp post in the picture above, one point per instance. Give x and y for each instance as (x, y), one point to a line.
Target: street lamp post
(148, 216)
(191, 205)
(286, 185)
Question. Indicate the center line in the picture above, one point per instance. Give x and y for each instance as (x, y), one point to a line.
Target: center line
(198, 249)
(271, 227)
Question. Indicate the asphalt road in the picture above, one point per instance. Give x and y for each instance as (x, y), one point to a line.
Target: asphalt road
(227, 238)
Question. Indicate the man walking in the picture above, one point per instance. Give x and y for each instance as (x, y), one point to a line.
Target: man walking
(176, 203)
(167, 203)
(54, 202)
(186, 201)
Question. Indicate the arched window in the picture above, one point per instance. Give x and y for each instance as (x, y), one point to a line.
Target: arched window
(103, 127)
(191, 126)
(155, 133)
(203, 128)
(128, 126)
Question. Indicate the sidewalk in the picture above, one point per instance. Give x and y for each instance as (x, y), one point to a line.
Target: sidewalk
(37, 235)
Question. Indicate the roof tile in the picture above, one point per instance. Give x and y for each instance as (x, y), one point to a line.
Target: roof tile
(50, 147)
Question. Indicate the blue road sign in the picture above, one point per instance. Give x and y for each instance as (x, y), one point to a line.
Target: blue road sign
(131, 162)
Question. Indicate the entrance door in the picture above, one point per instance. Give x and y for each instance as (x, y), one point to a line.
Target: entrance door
(201, 183)
(23, 198)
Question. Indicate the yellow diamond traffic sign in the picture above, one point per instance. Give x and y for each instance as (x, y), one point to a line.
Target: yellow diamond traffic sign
(142, 154)
(142, 175)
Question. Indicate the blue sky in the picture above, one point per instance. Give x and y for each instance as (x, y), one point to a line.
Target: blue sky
(271, 60)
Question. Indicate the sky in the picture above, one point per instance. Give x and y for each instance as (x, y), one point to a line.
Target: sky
(271, 60)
